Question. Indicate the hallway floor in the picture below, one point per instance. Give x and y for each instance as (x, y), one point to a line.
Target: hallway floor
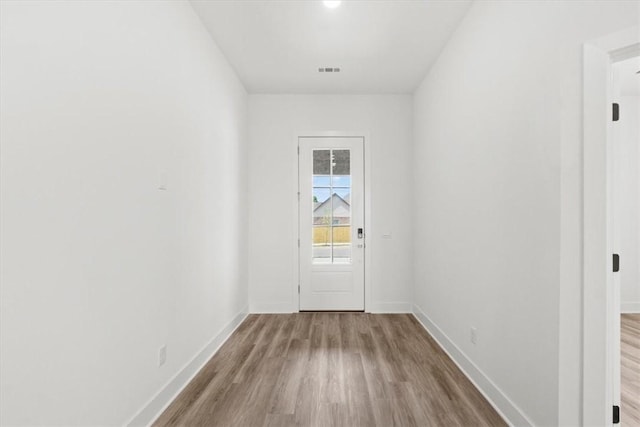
(630, 370)
(331, 369)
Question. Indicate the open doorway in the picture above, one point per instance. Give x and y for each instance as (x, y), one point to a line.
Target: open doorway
(601, 293)
(626, 235)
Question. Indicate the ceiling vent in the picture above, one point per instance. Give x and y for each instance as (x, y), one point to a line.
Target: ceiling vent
(328, 70)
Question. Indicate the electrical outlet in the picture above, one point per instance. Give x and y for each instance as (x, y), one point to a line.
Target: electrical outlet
(162, 355)
(474, 335)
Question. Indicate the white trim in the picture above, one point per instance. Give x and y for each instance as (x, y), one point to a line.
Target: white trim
(508, 410)
(625, 53)
(630, 307)
(151, 410)
(286, 307)
(599, 305)
(368, 280)
(272, 307)
(391, 307)
(596, 384)
(295, 286)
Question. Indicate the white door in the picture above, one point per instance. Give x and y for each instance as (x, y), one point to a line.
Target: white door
(331, 223)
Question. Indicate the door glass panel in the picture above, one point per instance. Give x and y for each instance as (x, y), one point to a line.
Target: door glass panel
(331, 207)
(341, 162)
(321, 181)
(341, 244)
(321, 162)
(344, 193)
(341, 181)
(322, 239)
(320, 195)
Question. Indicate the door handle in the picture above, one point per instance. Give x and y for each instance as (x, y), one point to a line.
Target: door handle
(360, 233)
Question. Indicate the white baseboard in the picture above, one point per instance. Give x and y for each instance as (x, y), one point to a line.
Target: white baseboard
(286, 307)
(630, 307)
(500, 402)
(391, 307)
(271, 307)
(152, 409)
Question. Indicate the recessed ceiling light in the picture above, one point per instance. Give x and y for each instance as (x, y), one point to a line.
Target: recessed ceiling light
(332, 4)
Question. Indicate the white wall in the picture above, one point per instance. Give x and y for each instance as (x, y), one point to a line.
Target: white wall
(498, 198)
(626, 202)
(99, 267)
(274, 121)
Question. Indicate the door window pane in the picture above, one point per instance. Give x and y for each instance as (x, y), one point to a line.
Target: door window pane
(321, 162)
(341, 244)
(344, 193)
(321, 244)
(341, 163)
(320, 195)
(331, 207)
(321, 180)
(341, 181)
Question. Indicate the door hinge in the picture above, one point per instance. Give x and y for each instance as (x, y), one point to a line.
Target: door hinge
(616, 263)
(616, 112)
(298, 242)
(616, 414)
(298, 150)
(298, 287)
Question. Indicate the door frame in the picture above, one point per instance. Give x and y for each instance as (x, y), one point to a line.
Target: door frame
(598, 290)
(367, 210)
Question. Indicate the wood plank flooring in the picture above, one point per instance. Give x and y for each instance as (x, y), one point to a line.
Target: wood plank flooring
(630, 370)
(330, 369)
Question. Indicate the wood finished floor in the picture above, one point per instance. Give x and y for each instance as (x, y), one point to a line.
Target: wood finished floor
(630, 370)
(330, 369)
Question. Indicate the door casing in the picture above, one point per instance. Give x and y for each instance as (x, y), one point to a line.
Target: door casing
(598, 281)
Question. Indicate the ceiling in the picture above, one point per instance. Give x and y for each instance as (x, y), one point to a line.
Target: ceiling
(379, 46)
(627, 73)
